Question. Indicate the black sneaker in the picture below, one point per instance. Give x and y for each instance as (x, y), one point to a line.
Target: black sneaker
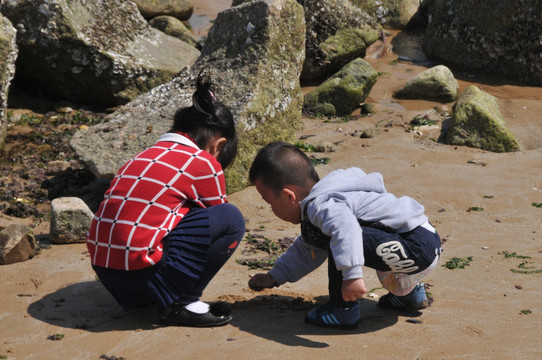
(219, 314)
(415, 300)
(327, 315)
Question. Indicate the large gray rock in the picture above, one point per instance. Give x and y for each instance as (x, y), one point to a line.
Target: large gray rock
(437, 84)
(70, 220)
(496, 37)
(17, 243)
(180, 9)
(8, 55)
(337, 33)
(99, 52)
(477, 122)
(253, 54)
(344, 91)
(391, 14)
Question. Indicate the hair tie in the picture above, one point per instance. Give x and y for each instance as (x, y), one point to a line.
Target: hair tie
(212, 95)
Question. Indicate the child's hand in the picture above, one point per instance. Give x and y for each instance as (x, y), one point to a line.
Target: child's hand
(261, 281)
(353, 289)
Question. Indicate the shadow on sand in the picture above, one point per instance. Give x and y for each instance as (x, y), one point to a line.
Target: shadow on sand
(88, 306)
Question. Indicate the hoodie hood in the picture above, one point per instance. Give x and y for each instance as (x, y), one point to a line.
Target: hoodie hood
(344, 181)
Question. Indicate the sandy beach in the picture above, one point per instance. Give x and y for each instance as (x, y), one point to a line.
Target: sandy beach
(480, 202)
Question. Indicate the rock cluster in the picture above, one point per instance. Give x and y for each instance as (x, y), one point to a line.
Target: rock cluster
(102, 52)
(495, 37)
(253, 54)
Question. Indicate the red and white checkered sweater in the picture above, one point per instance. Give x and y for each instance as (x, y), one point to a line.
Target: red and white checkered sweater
(148, 197)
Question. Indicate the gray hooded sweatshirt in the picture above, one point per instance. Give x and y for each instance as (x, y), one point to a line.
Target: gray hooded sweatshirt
(338, 201)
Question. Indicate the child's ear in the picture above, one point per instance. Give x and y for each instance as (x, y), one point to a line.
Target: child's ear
(216, 145)
(290, 194)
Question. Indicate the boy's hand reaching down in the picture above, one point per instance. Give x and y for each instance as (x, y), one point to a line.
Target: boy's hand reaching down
(353, 289)
(261, 281)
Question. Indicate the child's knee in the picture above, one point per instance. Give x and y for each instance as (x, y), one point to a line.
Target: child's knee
(230, 218)
(235, 219)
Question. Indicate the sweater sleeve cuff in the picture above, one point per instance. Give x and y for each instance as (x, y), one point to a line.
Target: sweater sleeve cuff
(354, 272)
(279, 277)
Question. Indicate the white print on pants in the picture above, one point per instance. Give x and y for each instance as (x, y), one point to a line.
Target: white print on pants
(390, 251)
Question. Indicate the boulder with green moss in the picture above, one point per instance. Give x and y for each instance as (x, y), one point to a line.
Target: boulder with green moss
(253, 54)
(391, 14)
(437, 84)
(8, 55)
(477, 122)
(101, 53)
(180, 9)
(348, 43)
(337, 33)
(173, 27)
(343, 92)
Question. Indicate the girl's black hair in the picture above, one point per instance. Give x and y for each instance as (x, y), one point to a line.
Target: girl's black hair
(208, 117)
(279, 164)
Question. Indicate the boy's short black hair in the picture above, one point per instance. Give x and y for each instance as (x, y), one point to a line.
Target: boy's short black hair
(206, 118)
(279, 164)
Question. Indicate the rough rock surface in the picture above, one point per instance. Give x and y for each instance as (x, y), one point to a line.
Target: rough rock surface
(344, 91)
(391, 14)
(340, 19)
(253, 54)
(173, 27)
(70, 220)
(437, 84)
(495, 37)
(337, 32)
(477, 122)
(180, 9)
(100, 52)
(8, 55)
(16, 244)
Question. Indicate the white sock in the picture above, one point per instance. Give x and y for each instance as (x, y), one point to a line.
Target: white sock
(198, 307)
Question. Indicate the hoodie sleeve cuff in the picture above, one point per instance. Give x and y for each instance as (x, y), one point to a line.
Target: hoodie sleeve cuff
(279, 277)
(354, 272)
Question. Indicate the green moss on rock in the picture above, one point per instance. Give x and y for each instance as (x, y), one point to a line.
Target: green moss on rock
(477, 122)
(349, 43)
(345, 90)
(437, 83)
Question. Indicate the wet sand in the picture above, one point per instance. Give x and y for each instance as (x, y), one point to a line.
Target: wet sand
(484, 311)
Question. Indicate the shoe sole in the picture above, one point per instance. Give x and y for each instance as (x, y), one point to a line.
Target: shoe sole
(342, 326)
(419, 306)
(169, 322)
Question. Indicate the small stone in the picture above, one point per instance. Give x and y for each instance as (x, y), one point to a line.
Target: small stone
(368, 133)
(17, 243)
(326, 146)
(70, 220)
(57, 167)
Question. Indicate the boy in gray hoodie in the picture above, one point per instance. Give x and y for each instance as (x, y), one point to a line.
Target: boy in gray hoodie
(349, 218)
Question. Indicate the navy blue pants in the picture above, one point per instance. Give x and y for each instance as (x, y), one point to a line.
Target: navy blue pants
(194, 251)
(407, 253)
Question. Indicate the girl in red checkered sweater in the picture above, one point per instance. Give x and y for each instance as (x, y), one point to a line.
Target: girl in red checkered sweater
(165, 228)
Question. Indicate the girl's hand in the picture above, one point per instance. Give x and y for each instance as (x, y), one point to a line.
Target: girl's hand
(353, 289)
(261, 281)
